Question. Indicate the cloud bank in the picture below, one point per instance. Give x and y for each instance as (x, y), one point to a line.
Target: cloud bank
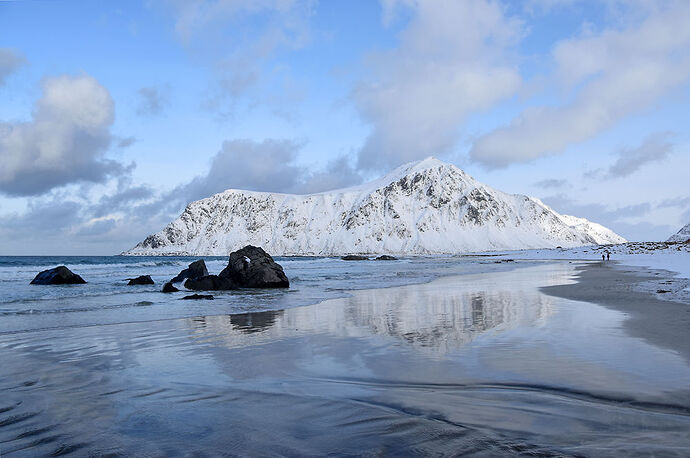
(269, 165)
(64, 143)
(451, 62)
(613, 74)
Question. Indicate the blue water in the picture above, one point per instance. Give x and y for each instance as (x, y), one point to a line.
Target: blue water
(107, 299)
(478, 364)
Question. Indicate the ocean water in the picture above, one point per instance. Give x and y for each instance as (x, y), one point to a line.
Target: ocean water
(418, 357)
(107, 299)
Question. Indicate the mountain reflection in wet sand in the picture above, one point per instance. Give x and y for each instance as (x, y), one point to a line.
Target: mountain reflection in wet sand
(437, 317)
(477, 364)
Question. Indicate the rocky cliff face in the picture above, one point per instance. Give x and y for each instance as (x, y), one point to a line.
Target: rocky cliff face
(424, 207)
(682, 235)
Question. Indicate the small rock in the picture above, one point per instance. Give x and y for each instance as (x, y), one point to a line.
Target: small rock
(169, 288)
(199, 296)
(662, 291)
(60, 275)
(385, 257)
(195, 270)
(141, 280)
(354, 257)
(210, 283)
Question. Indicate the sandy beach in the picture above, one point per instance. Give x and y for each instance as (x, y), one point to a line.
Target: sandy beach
(483, 364)
(661, 322)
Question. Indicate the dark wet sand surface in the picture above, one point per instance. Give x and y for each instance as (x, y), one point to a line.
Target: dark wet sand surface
(661, 322)
(484, 365)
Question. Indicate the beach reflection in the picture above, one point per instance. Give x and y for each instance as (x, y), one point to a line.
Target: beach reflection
(473, 365)
(438, 317)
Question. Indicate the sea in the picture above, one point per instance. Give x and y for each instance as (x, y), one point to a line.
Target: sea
(107, 299)
(423, 356)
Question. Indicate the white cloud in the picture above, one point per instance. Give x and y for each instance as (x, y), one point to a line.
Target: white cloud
(65, 142)
(450, 63)
(612, 74)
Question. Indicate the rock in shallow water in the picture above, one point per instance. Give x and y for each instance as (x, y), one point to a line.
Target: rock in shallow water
(195, 270)
(60, 275)
(141, 280)
(252, 267)
(354, 257)
(210, 283)
(385, 257)
(199, 296)
(169, 288)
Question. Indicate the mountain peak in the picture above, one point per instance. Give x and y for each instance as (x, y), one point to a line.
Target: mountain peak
(417, 166)
(682, 235)
(422, 207)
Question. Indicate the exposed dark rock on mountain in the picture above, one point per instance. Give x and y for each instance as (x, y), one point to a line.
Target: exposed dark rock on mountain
(195, 270)
(252, 267)
(141, 280)
(60, 275)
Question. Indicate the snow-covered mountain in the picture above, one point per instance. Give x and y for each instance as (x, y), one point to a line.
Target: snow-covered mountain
(422, 207)
(682, 235)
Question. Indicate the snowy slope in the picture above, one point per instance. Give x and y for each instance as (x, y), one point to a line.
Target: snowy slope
(423, 207)
(682, 235)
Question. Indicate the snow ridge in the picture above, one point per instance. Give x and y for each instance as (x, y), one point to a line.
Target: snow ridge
(682, 235)
(425, 207)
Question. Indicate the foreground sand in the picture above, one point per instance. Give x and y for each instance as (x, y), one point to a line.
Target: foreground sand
(661, 322)
(484, 364)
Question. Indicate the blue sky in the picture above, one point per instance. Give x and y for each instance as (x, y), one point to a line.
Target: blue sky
(114, 115)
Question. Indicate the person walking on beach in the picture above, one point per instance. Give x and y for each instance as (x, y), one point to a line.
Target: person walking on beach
(603, 257)
(608, 256)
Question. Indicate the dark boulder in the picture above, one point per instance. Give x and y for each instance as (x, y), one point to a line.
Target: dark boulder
(141, 280)
(210, 283)
(169, 288)
(385, 257)
(354, 257)
(60, 275)
(252, 267)
(199, 296)
(195, 270)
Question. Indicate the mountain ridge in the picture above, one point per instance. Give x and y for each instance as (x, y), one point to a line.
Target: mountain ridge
(424, 207)
(682, 235)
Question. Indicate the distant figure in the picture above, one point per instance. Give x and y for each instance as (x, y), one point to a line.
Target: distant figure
(608, 256)
(603, 257)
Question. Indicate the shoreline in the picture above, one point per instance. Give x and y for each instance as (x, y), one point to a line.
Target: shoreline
(661, 322)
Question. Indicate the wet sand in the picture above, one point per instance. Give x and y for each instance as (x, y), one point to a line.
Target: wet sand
(660, 322)
(480, 365)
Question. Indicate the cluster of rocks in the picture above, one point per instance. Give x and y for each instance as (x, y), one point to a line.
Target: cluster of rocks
(250, 267)
(358, 257)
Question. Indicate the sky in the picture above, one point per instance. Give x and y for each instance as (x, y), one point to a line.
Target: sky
(115, 115)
